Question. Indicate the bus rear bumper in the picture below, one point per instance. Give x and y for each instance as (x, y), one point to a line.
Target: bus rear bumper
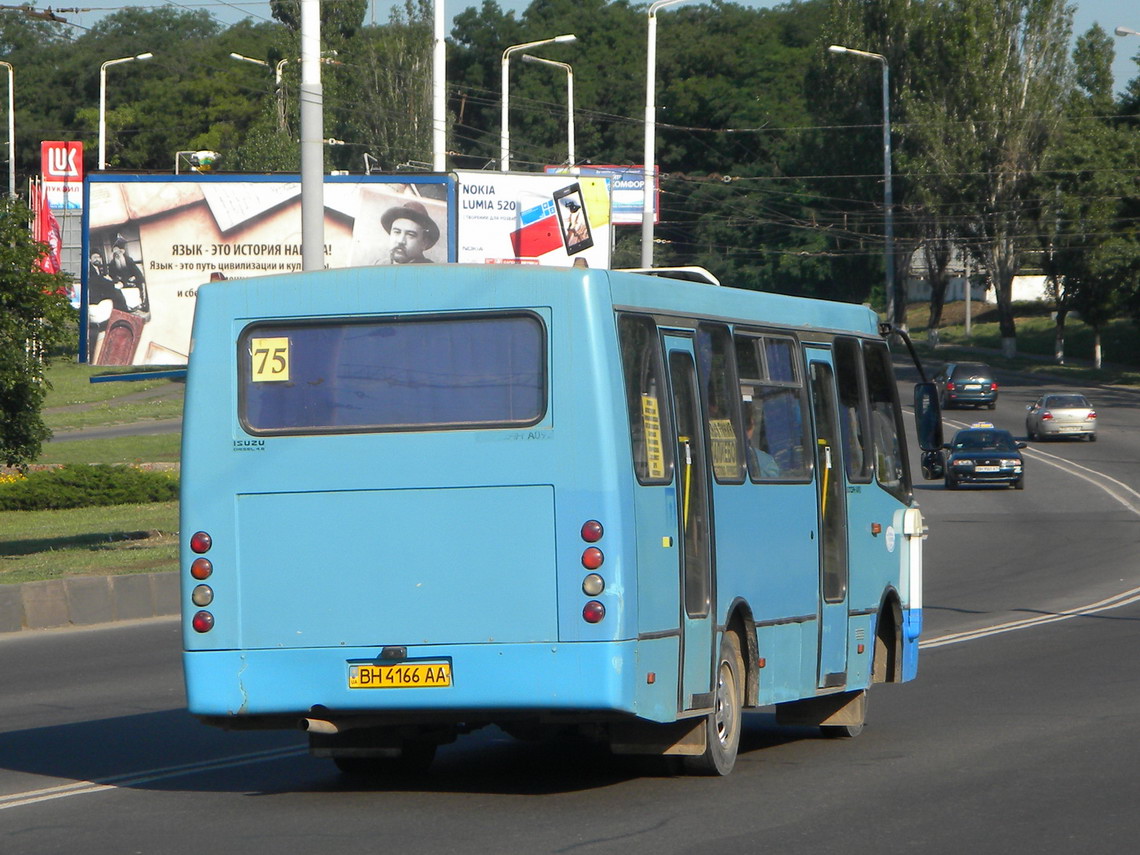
(487, 679)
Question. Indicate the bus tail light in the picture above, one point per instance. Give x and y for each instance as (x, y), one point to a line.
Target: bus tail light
(593, 612)
(592, 531)
(200, 542)
(201, 569)
(592, 558)
(203, 621)
(593, 585)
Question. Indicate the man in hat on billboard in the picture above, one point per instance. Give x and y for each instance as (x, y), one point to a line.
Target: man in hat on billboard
(411, 232)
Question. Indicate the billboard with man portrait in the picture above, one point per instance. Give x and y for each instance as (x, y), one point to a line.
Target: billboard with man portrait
(150, 241)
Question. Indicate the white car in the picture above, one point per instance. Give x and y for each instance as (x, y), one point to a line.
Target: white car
(1061, 414)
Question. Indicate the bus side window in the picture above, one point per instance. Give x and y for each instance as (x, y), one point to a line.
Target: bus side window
(722, 414)
(644, 391)
(886, 422)
(852, 409)
(772, 396)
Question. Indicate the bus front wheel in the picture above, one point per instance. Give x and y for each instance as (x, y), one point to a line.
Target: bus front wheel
(723, 724)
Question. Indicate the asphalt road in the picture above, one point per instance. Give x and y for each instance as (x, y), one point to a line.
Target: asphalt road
(1020, 734)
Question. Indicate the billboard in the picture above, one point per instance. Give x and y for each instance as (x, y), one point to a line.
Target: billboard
(627, 190)
(61, 168)
(528, 218)
(150, 241)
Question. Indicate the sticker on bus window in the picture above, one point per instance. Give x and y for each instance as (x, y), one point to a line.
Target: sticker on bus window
(651, 423)
(725, 462)
(269, 359)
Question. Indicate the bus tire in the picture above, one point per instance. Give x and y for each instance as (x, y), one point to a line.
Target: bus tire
(723, 724)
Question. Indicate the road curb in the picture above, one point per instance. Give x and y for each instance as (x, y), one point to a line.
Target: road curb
(87, 601)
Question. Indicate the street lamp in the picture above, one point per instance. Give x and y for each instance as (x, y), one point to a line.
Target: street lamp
(280, 91)
(526, 57)
(650, 133)
(505, 131)
(11, 128)
(1126, 31)
(888, 195)
(103, 102)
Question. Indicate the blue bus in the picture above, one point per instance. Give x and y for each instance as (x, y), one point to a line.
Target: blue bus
(422, 500)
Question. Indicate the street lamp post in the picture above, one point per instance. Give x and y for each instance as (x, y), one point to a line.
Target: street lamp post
(11, 128)
(505, 130)
(103, 102)
(1126, 31)
(526, 57)
(888, 195)
(650, 133)
(278, 90)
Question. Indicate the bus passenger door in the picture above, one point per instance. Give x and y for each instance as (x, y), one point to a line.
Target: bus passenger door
(698, 622)
(832, 496)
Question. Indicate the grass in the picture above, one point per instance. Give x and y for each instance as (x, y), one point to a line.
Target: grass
(107, 541)
(71, 384)
(138, 448)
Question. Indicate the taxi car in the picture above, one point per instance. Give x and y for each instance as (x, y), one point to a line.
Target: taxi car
(1061, 414)
(983, 454)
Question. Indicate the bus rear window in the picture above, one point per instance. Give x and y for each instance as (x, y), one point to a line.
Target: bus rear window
(393, 374)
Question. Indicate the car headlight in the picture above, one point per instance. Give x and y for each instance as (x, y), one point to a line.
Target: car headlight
(962, 464)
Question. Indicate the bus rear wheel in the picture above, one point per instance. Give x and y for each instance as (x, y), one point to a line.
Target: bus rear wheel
(723, 724)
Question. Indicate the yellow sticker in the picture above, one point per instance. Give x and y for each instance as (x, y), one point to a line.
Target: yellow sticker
(726, 462)
(651, 424)
(269, 359)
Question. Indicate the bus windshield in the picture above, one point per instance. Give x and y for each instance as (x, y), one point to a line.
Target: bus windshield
(383, 375)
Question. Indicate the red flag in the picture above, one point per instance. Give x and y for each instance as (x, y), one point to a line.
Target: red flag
(47, 231)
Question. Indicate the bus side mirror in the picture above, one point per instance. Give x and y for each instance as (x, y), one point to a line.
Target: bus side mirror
(928, 426)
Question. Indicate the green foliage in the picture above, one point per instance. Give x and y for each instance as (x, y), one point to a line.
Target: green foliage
(80, 485)
(34, 318)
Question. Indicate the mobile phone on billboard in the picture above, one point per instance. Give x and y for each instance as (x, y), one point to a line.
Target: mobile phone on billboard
(572, 219)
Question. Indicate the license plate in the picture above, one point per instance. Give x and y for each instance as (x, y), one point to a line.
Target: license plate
(988, 469)
(420, 675)
(973, 387)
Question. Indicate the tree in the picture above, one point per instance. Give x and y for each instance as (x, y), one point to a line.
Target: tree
(1007, 77)
(35, 320)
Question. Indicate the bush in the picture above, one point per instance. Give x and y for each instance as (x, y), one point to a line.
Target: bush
(79, 485)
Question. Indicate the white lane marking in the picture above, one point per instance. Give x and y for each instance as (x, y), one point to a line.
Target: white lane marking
(134, 779)
(1094, 477)
(1114, 602)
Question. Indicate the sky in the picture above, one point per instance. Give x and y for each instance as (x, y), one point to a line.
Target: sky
(1108, 13)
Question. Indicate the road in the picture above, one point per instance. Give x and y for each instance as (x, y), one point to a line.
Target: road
(1020, 734)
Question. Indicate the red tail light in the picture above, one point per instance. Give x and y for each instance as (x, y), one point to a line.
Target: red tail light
(1045, 416)
(592, 558)
(593, 612)
(592, 531)
(993, 387)
(950, 387)
(201, 542)
(202, 621)
(1091, 415)
(201, 568)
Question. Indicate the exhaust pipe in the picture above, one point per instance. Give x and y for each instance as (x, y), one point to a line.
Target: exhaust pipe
(319, 725)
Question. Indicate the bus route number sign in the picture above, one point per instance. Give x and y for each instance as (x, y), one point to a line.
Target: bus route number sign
(424, 675)
(269, 359)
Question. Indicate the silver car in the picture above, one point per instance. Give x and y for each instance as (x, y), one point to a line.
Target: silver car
(1061, 414)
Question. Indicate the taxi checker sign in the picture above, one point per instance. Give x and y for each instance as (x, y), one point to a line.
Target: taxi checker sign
(61, 164)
